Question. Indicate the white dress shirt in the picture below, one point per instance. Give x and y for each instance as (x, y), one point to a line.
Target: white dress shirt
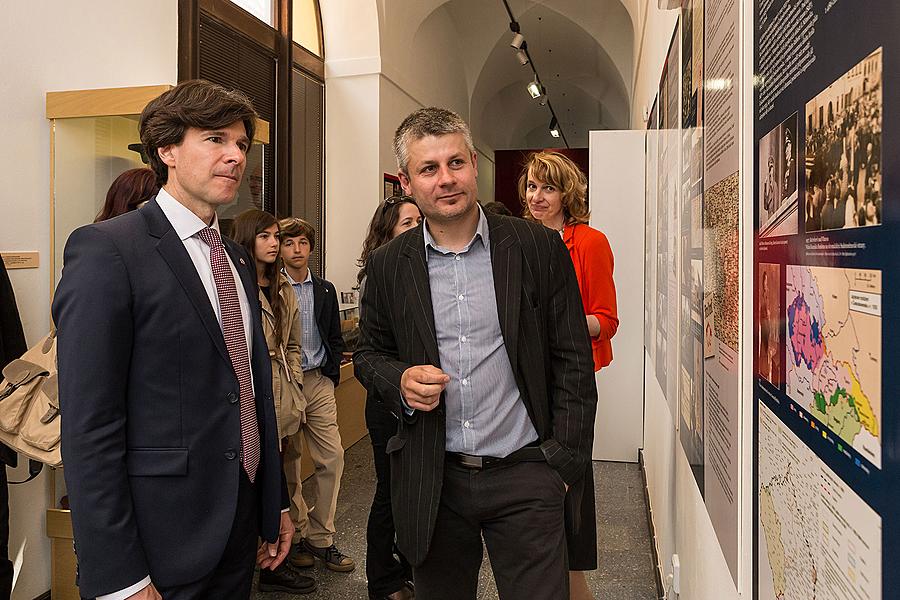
(187, 225)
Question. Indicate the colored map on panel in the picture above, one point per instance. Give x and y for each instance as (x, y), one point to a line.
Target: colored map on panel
(833, 338)
(818, 540)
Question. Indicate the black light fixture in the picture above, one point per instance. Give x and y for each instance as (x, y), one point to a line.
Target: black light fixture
(554, 127)
(535, 88)
(522, 54)
(518, 39)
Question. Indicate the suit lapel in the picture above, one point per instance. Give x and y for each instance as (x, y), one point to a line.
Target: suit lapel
(506, 262)
(173, 252)
(418, 292)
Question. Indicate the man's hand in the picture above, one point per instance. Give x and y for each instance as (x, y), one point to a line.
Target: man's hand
(422, 385)
(269, 556)
(148, 593)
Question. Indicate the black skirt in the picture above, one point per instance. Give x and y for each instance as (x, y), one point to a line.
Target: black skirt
(581, 523)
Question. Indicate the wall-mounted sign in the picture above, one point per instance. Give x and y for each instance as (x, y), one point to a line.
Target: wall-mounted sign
(21, 260)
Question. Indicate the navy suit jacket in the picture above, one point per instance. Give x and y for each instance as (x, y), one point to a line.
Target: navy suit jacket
(325, 308)
(150, 410)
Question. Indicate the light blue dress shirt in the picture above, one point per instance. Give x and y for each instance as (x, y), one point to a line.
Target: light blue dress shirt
(485, 413)
(313, 350)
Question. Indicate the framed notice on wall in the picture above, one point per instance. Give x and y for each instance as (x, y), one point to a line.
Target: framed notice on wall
(826, 270)
(391, 186)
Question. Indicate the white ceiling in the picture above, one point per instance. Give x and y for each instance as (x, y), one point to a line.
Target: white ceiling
(583, 51)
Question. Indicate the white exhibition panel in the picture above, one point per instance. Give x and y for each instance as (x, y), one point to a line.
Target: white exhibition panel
(616, 191)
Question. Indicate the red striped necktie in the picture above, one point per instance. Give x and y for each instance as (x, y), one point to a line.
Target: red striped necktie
(236, 343)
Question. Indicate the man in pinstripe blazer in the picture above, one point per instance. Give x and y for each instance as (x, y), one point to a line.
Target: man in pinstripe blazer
(472, 328)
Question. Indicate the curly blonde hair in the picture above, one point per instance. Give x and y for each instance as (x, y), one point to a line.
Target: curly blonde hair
(559, 171)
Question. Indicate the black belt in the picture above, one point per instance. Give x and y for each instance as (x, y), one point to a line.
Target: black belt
(471, 461)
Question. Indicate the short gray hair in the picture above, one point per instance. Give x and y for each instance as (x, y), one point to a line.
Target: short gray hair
(424, 122)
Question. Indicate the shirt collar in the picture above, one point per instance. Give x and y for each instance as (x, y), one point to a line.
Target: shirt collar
(482, 232)
(291, 279)
(185, 223)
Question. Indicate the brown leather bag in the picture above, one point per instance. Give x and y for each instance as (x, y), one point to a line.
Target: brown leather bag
(29, 404)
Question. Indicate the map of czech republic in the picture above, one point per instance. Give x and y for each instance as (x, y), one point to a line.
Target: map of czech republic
(833, 359)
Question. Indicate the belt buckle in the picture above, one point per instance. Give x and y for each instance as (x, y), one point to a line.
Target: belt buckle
(471, 462)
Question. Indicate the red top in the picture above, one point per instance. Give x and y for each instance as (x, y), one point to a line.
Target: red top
(593, 260)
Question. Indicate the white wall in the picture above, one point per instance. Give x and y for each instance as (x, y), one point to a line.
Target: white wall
(48, 46)
(373, 79)
(679, 514)
(653, 37)
(617, 209)
(352, 176)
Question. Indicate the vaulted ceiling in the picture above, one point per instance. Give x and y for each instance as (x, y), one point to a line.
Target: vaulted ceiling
(583, 51)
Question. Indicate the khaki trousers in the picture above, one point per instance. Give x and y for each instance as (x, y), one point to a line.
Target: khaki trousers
(323, 442)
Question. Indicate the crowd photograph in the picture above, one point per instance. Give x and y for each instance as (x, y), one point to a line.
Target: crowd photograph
(843, 151)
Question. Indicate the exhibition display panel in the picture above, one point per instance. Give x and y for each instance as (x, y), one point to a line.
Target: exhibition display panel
(826, 264)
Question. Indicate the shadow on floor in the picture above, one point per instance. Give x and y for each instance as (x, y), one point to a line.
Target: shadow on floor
(626, 570)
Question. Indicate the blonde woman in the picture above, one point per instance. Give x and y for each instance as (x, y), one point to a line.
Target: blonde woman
(554, 191)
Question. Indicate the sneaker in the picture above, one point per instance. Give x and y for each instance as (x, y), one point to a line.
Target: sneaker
(332, 557)
(284, 579)
(299, 557)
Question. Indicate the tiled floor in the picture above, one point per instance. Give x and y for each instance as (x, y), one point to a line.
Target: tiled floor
(626, 563)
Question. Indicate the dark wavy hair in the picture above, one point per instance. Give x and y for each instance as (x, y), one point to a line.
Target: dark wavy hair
(127, 192)
(195, 103)
(244, 230)
(381, 229)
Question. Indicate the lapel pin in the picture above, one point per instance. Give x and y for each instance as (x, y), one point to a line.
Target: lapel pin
(242, 261)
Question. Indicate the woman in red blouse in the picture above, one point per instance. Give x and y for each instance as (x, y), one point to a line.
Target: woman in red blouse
(554, 192)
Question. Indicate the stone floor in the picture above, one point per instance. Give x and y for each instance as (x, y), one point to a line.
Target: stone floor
(626, 565)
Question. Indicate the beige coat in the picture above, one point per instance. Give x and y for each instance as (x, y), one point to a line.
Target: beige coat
(287, 369)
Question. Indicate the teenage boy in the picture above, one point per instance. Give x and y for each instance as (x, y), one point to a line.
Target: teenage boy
(322, 350)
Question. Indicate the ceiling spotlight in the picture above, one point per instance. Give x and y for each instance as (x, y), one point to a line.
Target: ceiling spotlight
(522, 56)
(517, 41)
(554, 127)
(535, 89)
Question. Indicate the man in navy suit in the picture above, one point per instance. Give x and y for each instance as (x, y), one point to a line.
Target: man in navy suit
(168, 424)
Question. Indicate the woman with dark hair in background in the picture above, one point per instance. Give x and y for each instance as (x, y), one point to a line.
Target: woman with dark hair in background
(554, 192)
(128, 192)
(389, 576)
(258, 232)
(498, 208)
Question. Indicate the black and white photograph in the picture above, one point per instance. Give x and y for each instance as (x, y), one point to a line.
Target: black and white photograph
(778, 180)
(843, 150)
(769, 362)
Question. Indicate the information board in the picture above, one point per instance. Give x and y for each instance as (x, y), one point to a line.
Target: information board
(825, 281)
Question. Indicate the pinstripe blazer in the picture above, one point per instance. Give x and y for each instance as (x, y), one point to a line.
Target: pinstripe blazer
(546, 337)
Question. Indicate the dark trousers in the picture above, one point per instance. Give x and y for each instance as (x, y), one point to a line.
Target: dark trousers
(518, 510)
(385, 572)
(6, 566)
(233, 576)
